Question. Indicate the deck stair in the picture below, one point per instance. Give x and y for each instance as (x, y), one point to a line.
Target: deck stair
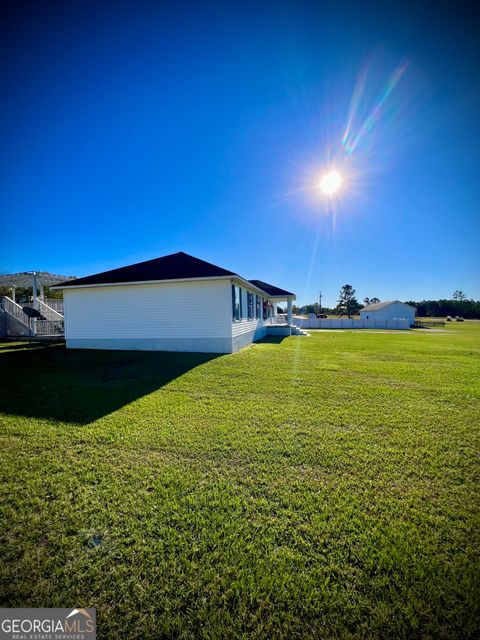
(16, 319)
(297, 331)
(284, 329)
(49, 323)
(48, 312)
(281, 320)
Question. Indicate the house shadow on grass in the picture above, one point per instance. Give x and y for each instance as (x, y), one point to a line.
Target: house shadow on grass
(80, 386)
(271, 340)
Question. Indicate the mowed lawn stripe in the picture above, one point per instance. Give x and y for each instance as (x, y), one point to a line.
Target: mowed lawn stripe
(313, 487)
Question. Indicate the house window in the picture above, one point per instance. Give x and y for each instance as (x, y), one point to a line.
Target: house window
(257, 306)
(236, 303)
(265, 307)
(250, 305)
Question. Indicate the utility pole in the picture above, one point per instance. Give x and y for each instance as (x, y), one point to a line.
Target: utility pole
(319, 302)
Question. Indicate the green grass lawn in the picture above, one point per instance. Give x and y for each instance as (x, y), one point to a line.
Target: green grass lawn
(317, 487)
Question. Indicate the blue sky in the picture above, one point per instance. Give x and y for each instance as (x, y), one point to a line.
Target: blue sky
(136, 130)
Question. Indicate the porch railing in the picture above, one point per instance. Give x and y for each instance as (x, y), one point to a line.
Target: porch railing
(49, 328)
(55, 303)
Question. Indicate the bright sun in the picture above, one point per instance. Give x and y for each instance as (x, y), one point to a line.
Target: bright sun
(331, 182)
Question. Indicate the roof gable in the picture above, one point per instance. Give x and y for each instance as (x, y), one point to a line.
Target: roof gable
(381, 305)
(176, 266)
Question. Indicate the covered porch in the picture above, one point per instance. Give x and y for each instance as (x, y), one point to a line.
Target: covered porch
(281, 324)
(283, 317)
(277, 297)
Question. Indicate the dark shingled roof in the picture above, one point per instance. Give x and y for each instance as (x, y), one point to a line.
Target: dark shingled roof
(270, 289)
(376, 306)
(176, 266)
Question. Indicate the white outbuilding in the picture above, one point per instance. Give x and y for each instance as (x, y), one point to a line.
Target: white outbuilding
(389, 311)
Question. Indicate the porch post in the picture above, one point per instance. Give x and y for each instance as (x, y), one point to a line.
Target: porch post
(289, 312)
(34, 287)
(13, 294)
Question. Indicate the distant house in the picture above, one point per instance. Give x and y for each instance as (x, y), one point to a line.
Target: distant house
(390, 310)
(173, 303)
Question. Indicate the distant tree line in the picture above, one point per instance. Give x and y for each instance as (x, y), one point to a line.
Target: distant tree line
(469, 309)
(314, 307)
(348, 305)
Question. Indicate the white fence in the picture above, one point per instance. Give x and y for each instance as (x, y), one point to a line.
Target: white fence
(348, 323)
(49, 328)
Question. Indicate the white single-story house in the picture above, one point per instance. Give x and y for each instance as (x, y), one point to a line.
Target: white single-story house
(390, 310)
(173, 303)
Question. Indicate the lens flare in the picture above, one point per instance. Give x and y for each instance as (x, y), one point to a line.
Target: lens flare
(330, 183)
(353, 135)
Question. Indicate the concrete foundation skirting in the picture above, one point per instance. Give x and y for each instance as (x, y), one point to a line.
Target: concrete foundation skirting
(198, 345)
(245, 339)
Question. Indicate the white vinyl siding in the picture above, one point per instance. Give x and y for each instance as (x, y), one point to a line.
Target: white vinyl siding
(197, 315)
(394, 311)
(198, 309)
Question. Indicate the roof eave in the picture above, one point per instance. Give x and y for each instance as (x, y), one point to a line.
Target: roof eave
(125, 284)
(250, 285)
(290, 296)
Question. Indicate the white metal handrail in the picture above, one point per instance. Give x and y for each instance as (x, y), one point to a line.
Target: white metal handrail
(17, 320)
(55, 303)
(47, 312)
(15, 310)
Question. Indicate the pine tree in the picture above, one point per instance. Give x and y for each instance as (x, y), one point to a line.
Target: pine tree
(347, 301)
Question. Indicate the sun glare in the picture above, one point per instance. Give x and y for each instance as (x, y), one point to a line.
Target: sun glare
(330, 183)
